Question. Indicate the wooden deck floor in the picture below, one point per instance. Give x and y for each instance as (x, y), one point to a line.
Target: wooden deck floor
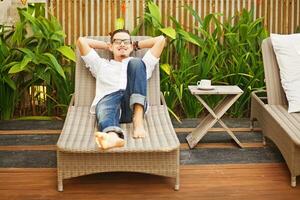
(230, 181)
(215, 169)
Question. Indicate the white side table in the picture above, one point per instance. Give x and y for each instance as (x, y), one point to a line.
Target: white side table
(232, 94)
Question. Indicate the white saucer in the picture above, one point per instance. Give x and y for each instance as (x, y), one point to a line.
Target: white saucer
(206, 88)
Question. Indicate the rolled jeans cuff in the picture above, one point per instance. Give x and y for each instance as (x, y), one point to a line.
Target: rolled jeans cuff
(137, 98)
(115, 129)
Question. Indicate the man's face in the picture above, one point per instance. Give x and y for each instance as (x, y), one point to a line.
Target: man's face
(121, 45)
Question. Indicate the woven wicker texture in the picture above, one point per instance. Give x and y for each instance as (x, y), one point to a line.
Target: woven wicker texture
(79, 128)
(289, 121)
(277, 124)
(159, 163)
(275, 91)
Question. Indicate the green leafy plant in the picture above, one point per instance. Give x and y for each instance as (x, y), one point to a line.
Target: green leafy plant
(7, 85)
(227, 53)
(230, 53)
(37, 56)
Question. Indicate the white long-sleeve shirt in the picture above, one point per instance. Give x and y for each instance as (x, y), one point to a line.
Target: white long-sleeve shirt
(111, 75)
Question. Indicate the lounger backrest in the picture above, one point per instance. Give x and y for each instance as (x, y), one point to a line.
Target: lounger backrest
(275, 93)
(85, 83)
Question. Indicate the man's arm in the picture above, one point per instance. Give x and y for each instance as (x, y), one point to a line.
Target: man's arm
(85, 45)
(156, 44)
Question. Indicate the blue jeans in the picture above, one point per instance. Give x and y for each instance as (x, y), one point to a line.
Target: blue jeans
(117, 107)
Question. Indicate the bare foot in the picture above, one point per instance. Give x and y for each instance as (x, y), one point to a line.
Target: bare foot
(108, 140)
(138, 129)
(97, 140)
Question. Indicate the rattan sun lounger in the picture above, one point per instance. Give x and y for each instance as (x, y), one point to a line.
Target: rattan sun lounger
(78, 154)
(276, 123)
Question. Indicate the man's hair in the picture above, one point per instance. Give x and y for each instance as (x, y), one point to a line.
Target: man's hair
(112, 34)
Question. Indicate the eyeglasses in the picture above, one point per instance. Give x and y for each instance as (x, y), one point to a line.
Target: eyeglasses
(119, 41)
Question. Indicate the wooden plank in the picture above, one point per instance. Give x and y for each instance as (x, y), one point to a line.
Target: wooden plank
(296, 14)
(63, 21)
(70, 34)
(25, 170)
(80, 18)
(281, 16)
(29, 132)
(187, 130)
(184, 146)
(92, 18)
(223, 181)
(218, 90)
(29, 148)
(177, 130)
(271, 16)
(98, 17)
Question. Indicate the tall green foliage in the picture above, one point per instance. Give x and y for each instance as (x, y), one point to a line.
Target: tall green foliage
(33, 54)
(228, 53)
(7, 84)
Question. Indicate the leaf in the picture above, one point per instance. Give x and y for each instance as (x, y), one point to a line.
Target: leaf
(194, 13)
(20, 66)
(137, 29)
(28, 52)
(4, 50)
(15, 68)
(243, 31)
(56, 37)
(56, 65)
(25, 61)
(18, 35)
(43, 74)
(174, 115)
(187, 37)
(166, 68)
(178, 26)
(120, 23)
(169, 31)
(67, 52)
(10, 82)
(206, 21)
(154, 11)
(60, 33)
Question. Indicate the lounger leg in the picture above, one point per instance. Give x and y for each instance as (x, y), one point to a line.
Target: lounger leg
(177, 183)
(176, 188)
(293, 181)
(252, 124)
(60, 187)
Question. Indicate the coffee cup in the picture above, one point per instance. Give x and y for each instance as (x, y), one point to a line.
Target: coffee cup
(204, 83)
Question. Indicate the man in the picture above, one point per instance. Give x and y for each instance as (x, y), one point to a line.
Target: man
(121, 84)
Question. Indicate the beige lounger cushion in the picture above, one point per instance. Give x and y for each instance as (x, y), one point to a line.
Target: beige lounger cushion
(79, 128)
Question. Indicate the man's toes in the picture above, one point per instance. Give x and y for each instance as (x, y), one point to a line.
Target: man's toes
(103, 143)
(120, 143)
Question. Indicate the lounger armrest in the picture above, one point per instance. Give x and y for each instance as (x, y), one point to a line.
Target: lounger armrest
(259, 99)
(162, 98)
